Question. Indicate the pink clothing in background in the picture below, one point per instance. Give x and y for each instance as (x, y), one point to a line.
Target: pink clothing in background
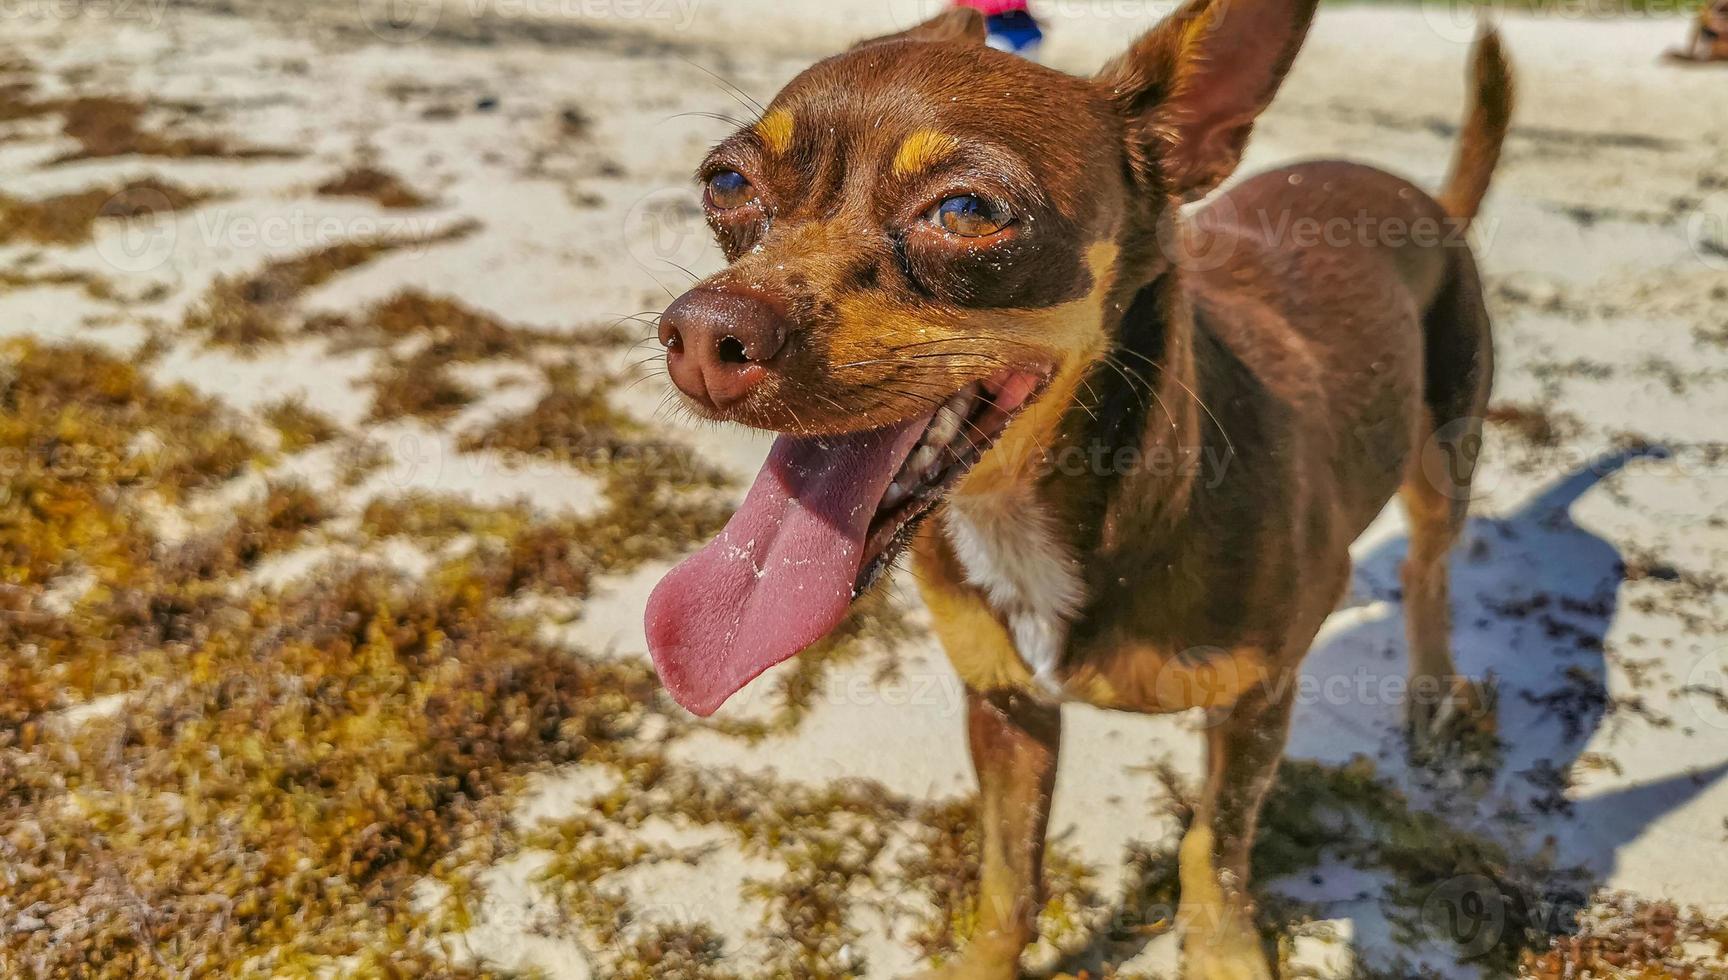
(991, 8)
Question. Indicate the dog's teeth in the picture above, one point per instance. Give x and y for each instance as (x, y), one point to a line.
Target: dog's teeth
(950, 417)
(961, 404)
(895, 495)
(946, 426)
(923, 460)
(962, 400)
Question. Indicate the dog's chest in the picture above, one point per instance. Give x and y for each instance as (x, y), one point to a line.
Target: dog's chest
(1009, 547)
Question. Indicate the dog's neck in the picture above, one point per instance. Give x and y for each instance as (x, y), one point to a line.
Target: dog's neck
(1137, 421)
(1131, 433)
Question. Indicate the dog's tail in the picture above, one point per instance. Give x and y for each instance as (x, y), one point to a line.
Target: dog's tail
(1484, 132)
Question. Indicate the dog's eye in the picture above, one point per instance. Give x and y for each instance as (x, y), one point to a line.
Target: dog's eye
(969, 216)
(730, 189)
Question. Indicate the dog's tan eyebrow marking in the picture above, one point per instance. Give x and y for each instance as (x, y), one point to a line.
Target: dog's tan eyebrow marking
(922, 149)
(776, 129)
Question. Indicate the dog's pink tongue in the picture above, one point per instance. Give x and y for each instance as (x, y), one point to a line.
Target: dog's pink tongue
(780, 576)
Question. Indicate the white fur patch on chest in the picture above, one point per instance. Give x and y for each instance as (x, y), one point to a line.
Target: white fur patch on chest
(1009, 547)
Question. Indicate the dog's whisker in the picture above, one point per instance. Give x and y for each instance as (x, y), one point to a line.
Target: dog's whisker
(663, 288)
(1228, 442)
(830, 400)
(693, 276)
(995, 341)
(987, 358)
(744, 98)
(643, 375)
(1081, 404)
(653, 338)
(645, 318)
(730, 120)
(669, 404)
(1134, 381)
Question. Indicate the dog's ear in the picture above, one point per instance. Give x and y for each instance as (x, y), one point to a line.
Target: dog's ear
(953, 24)
(1192, 87)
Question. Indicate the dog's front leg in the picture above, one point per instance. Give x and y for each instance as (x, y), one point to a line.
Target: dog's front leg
(1219, 941)
(1014, 742)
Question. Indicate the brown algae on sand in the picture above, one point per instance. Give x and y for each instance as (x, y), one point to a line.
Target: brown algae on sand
(106, 126)
(299, 426)
(69, 219)
(289, 763)
(381, 187)
(246, 312)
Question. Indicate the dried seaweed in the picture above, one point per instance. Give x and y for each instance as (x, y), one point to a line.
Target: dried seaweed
(379, 186)
(298, 426)
(289, 765)
(68, 219)
(112, 126)
(245, 312)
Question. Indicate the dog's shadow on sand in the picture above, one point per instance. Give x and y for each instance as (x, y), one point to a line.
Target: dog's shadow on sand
(1533, 597)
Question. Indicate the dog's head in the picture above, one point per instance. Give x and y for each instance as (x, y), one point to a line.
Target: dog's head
(931, 243)
(1714, 15)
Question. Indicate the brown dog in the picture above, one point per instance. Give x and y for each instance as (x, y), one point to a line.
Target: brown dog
(1128, 449)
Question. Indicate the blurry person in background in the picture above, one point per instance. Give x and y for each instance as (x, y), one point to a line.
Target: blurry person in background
(1709, 35)
(1012, 27)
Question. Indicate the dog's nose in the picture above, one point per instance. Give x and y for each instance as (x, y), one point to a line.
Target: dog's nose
(718, 344)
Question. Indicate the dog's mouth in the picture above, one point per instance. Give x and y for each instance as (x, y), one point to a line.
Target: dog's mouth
(826, 517)
(956, 438)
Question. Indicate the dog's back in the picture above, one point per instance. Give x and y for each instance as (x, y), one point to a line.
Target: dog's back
(1333, 269)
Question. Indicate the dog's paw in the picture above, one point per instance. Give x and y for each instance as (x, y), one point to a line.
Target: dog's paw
(1221, 946)
(1455, 726)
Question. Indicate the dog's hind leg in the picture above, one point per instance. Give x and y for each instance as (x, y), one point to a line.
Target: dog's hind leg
(1444, 708)
(1015, 742)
